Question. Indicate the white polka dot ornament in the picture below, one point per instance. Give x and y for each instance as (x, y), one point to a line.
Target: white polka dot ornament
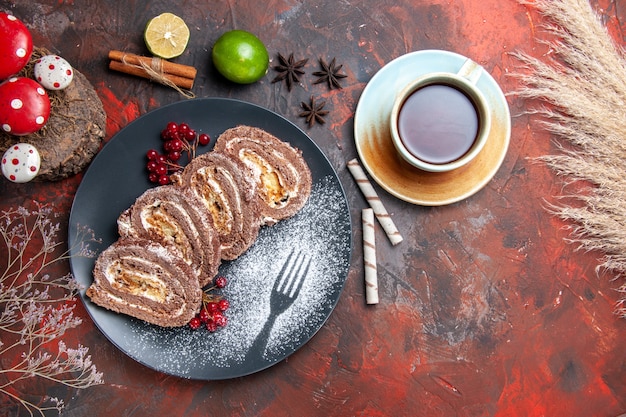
(53, 72)
(21, 163)
(24, 106)
(16, 46)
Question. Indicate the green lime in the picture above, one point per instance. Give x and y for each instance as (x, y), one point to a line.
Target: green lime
(240, 56)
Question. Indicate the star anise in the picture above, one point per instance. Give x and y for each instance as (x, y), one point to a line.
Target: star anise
(329, 74)
(289, 70)
(313, 111)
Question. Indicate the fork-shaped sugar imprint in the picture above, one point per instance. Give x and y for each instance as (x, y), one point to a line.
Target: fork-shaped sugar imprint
(284, 292)
(289, 282)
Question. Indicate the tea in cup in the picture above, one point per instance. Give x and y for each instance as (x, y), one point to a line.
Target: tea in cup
(441, 121)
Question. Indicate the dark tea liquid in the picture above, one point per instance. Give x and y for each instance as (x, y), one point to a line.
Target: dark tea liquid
(438, 123)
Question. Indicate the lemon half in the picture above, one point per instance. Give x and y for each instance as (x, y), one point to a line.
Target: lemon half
(166, 35)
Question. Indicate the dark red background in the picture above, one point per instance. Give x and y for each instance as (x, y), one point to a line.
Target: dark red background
(484, 309)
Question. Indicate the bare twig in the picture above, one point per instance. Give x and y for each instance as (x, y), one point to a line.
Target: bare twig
(37, 309)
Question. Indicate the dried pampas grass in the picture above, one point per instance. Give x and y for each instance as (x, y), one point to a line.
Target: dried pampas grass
(584, 85)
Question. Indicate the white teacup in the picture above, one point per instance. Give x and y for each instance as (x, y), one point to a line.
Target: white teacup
(441, 121)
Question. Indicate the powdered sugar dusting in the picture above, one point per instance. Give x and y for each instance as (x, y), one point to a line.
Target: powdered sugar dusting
(322, 231)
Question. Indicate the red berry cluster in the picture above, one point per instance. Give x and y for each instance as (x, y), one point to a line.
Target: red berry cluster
(212, 313)
(178, 139)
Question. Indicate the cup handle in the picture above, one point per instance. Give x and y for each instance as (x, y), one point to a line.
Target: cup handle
(470, 70)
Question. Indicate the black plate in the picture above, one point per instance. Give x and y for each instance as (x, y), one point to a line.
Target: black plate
(322, 229)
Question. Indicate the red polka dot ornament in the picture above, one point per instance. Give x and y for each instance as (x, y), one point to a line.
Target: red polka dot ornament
(20, 163)
(53, 72)
(24, 106)
(16, 46)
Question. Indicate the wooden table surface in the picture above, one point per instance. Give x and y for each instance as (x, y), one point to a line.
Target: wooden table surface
(484, 309)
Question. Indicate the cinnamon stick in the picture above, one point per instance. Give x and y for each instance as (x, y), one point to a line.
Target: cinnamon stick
(140, 72)
(168, 67)
(156, 69)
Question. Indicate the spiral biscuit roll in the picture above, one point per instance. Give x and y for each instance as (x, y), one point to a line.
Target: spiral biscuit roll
(175, 217)
(283, 179)
(222, 185)
(145, 280)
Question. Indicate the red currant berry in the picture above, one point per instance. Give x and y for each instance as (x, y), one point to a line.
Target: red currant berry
(161, 169)
(190, 135)
(161, 159)
(212, 307)
(183, 128)
(151, 166)
(173, 156)
(220, 282)
(171, 127)
(220, 319)
(167, 145)
(211, 326)
(152, 154)
(175, 145)
(204, 315)
(153, 177)
(195, 323)
(204, 139)
(223, 304)
(165, 134)
(164, 180)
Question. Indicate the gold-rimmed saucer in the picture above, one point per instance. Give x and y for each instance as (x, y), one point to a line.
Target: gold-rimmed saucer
(380, 158)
